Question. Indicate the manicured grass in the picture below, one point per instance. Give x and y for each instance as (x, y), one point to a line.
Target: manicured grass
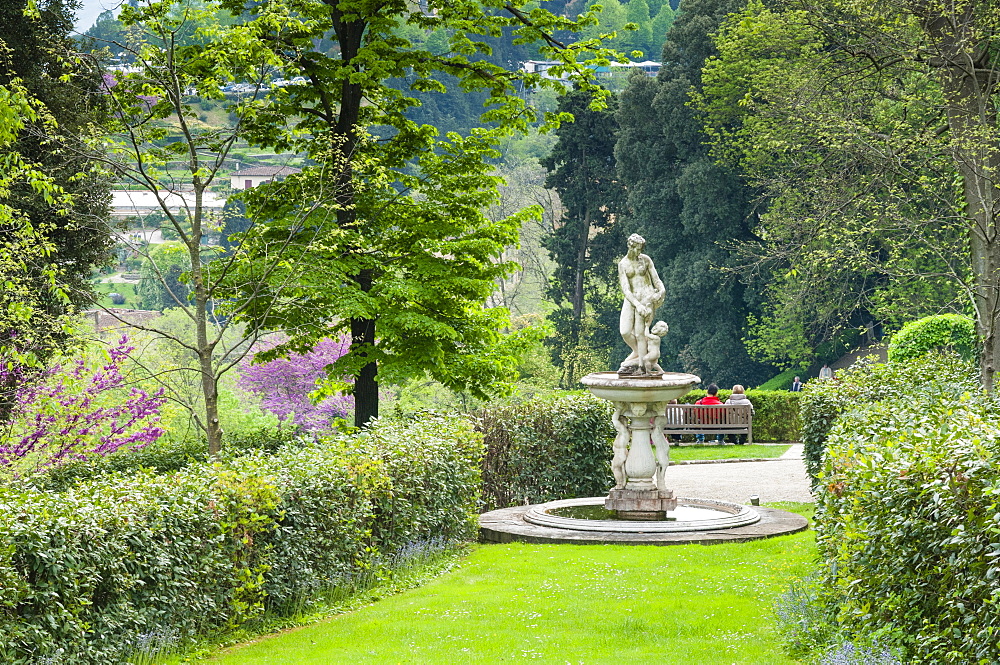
(689, 453)
(568, 604)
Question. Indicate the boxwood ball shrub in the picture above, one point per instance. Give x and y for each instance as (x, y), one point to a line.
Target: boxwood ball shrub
(941, 332)
(869, 381)
(908, 523)
(546, 449)
(92, 569)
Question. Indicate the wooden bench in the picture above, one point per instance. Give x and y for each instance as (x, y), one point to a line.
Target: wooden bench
(710, 420)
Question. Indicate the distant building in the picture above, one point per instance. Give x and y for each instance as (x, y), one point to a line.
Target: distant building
(139, 203)
(258, 175)
(649, 67)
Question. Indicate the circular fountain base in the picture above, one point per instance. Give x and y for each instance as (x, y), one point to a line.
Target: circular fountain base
(694, 521)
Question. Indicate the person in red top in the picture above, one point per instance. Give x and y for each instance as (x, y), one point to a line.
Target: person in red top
(710, 399)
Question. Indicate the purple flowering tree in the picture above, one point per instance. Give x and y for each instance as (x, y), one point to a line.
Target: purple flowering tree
(284, 384)
(76, 411)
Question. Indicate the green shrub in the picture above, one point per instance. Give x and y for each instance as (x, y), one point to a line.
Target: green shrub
(776, 412)
(908, 516)
(546, 449)
(941, 332)
(869, 381)
(92, 569)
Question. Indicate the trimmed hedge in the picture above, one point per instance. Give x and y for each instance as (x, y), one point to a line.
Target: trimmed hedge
(776, 412)
(95, 568)
(908, 519)
(547, 449)
(941, 332)
(866, 382)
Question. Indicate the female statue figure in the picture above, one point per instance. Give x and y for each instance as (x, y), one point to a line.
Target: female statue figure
(643, 292)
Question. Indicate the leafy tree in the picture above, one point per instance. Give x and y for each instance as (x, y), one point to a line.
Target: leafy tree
(285, 385)
(76, 410)
(409, 256)
(640, 39)
(659, 27)
(588, 240)
(176, 48)
(60, 229)
(689, 208)
(160, 286)
(846, 129)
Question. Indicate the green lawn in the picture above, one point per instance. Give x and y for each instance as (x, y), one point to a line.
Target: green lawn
(689, 453)
(689, 604)
(127, 290)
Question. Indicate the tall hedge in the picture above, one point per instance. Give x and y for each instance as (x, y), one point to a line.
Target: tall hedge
(546, 449)
(869, 381)
(93, 569)
(908, 522)
(776, 412)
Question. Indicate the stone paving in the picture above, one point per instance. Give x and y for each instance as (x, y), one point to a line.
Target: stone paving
(782, 479)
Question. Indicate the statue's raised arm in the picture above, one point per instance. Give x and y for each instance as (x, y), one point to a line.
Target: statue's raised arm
(643, 292)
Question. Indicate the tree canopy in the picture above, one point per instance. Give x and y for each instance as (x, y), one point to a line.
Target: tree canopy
(690, 209)
(856, 126)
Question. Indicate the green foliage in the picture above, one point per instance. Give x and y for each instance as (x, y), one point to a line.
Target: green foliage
(160, 278)
(776, 412)
(53, 200)
(90, 569)
(546, 449)
(907, 516)
(587, 243)
(940, 332)
(869, 382)
(863, 194)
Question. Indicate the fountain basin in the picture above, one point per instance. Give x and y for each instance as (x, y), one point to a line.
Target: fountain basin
(690, 515)
(663, 388)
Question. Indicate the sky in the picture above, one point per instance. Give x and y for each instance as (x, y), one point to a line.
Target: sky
(89, 9)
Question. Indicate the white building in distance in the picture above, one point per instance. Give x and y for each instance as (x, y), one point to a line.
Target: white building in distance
(139, 203)
(258, 175)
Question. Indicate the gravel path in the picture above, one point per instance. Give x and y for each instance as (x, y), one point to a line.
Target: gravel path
(783, 479)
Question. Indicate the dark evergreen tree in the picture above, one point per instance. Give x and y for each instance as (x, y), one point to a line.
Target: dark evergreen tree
(689, 209)
(37, 49)
(584, 284)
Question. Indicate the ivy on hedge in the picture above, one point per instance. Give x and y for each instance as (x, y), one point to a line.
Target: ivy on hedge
(908, 516)
(91, 569)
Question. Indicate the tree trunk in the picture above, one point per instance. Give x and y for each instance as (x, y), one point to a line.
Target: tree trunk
(366, 383)
(969, 82)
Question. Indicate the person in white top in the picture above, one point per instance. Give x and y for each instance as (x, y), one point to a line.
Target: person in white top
(826, 372)
(739, 397)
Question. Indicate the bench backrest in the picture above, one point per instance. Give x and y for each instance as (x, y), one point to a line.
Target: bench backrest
(697, 415)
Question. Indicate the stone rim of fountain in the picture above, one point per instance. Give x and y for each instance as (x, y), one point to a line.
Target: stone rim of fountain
(734, 515)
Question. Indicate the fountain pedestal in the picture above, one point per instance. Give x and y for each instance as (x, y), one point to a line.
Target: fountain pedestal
(640, 408)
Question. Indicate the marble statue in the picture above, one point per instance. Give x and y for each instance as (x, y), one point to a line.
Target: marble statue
(643, 292)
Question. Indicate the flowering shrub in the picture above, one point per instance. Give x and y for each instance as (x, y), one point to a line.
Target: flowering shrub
(284, 385)
(74, 411)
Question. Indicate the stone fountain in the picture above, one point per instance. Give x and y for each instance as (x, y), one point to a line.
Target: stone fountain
(640, 508)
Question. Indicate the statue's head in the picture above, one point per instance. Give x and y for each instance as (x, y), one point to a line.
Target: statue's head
(660, 328)
(637, 241)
